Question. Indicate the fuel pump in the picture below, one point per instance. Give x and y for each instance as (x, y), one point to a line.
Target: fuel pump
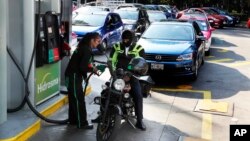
(48, 48)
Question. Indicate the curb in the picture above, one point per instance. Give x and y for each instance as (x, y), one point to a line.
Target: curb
(35, 127)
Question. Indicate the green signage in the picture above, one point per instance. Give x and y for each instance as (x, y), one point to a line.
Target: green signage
(47, 82)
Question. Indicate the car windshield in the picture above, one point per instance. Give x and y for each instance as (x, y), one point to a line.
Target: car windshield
(89, 20)
(131, 15)
(169, 32)
(211, 12)
(154, 16)
(203, 25)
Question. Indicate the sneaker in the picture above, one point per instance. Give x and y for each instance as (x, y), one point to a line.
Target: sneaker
(96, 120)
(140, 125)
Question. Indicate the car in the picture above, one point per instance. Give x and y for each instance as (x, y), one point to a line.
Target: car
(174, 48)
(156, 16)
(214, 19)
(172, 10)
(133, 5)
(248, 23)
(135, 19)
(229, 20)
(205, 27)
(109, 25)
(159, 8)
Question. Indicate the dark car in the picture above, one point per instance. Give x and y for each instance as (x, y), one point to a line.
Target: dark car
(175, 48)
(135, 19)
(231, 20)
(159, 8)
(107, 24)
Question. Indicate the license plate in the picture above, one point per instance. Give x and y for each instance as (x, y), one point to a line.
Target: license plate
(157, 66)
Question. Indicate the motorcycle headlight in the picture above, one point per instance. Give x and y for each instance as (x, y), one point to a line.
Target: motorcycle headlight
(126, 95)
(119, 84)
(183, 57)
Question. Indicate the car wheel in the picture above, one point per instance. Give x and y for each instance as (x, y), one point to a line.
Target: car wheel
(195, 75)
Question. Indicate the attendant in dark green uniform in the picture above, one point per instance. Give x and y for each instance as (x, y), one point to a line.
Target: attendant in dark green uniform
(79, 65)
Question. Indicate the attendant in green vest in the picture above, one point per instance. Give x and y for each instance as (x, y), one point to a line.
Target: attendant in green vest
(120, 55)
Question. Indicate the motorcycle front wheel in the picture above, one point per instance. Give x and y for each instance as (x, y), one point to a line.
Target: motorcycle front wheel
(107, 129)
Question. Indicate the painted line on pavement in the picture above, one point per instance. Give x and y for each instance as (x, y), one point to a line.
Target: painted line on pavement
(206, 132)
(241, 63)
(220, 60)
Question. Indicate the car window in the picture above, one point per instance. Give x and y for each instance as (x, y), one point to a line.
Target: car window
(131, 15)
(155, 16)
(169, 32)
(211, 12)
(88, 20)
(116, 19)
(197, 29)
(203, 25)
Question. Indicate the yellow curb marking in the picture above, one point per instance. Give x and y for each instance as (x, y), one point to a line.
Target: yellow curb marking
(206, 132)
(222, 50)
(23, 136)
(209, 56)
(53, 108)
(186, 87)
(34, 128)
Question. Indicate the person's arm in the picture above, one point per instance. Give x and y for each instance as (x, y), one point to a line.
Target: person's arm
(86, 61)
(142, 53)
(113, 57)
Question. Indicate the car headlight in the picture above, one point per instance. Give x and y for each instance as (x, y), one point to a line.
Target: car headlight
(119, 84)
(213, 18)
(129, 26)
(183, 57)
(229, 18)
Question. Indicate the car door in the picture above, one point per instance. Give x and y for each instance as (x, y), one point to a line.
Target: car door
(109, 30)
(200, 44)
(118, 27)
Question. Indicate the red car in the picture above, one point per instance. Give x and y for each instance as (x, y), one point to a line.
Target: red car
(248, 23)
(214, 19)
(204, 26)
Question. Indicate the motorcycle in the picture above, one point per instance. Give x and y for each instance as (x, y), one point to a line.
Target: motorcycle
(116, 102)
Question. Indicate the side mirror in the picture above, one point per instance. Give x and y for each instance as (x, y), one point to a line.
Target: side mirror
(200, 38)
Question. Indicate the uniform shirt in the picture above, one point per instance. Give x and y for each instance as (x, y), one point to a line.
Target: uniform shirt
(123, 59)
(80, 62)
